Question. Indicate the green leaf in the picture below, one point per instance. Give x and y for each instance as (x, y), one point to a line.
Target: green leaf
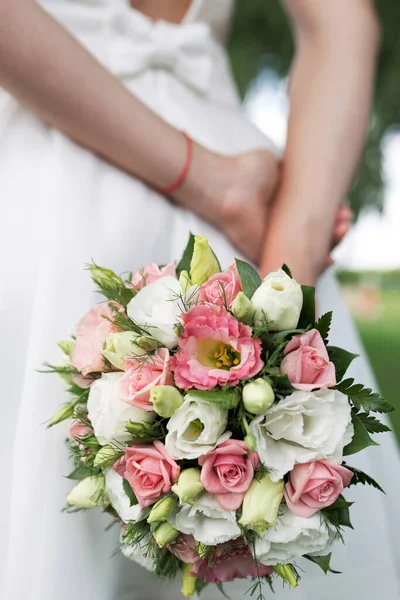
(220, 586)
(363, 478)
(307, 316)
(286, 269)
(129, 492)
(364, 398)
(372, 424)
(341, 359)
(82, 472)
(225, 398)
(361, 438)
(249, 277)
(323, 325)
(184, 263)
(323, 562)
(338, 513)
(66, 346)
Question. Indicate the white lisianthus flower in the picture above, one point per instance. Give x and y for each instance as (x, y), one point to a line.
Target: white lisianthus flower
(108, 413)
(120, 501)
(137, 553)
(305, 426)
(156, 308)
(281, 299)
(89, 493)
(293, 537)
(195, 429)
(207, 521)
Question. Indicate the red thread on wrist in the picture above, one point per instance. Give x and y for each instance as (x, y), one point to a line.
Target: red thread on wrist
(167, 191)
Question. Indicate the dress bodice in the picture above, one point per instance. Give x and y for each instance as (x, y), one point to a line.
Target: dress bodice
(130, 43)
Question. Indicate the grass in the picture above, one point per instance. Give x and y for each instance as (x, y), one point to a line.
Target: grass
(381, 337)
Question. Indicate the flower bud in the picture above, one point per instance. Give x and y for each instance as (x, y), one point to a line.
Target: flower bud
(66, 346)
(251, 442)
(258, 396)
(162, 509)
(203, 551)
(287, 573)
(243, 309)
(261, 504)
(147, 343)
(64, 413)
(188, 581)
(166, 400)
(188, 486)
(106, 455)
(184, 281)
(120, 345)
(279, 299)
(141, 432)
(89, 493)
(204, 263)
(165, 534)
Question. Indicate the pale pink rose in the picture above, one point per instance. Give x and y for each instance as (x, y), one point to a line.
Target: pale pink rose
(316, 485)
(222, 288)
(142, 375)
(91, 334)
(79, 430)
(215, 349)
(184, 548)
(307, 364)
(149, 470)
(228, 472)
(81, 381)
(230, 561)
(152, 273)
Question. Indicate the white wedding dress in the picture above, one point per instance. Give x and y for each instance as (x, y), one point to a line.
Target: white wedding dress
(63, 206)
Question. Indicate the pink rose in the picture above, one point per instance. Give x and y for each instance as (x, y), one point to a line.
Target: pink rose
(215, 349)
(142, 375)
(152, 273)
(307, 364)
(316, 485)
(222, 288)
(79, 430)
(149, 471)
(91, 334)
(230, 561)
(228, 472)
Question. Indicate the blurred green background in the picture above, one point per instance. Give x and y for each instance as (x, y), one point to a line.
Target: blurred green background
(261, 42)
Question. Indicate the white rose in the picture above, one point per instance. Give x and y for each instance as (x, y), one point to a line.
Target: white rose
(281, 299)
(137, 553)
(195, 429)
(293, 537)
(207, 521)
(119, 499)
(305, 426)
(120, 345)
(156, 308)
(108, 413)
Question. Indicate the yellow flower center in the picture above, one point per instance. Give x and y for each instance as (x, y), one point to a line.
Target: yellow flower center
(217, 355)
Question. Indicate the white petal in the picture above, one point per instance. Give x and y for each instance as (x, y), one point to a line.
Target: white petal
(120, 501)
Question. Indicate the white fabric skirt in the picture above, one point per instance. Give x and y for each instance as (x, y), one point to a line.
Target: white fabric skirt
(61, 207)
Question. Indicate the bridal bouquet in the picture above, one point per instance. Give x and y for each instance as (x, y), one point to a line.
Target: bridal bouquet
(210, 418)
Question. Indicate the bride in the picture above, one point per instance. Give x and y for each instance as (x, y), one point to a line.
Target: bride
(96, 95)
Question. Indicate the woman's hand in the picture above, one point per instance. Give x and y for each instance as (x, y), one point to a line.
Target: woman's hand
(234, 194)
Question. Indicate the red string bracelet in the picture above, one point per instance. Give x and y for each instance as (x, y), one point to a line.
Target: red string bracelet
(167, 191)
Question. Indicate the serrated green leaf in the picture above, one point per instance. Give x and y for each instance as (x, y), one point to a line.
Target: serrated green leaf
(129, 492)
(361, 438)
(341, 359)
(286, 269)
(323, 325)
(184, 263)
(364, 398)
(307, 316)
(372, 424)
(82, 472)
(363, 479)
(249, 277)
(226, 399)
(323, 562)
(339, 512)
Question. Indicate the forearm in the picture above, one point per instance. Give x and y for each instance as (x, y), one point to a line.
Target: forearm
(330, 91)
(54, 76)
